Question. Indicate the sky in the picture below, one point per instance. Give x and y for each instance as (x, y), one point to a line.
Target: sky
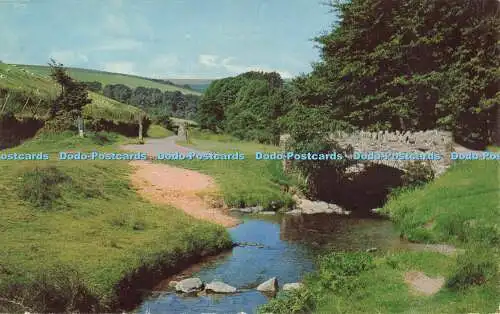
(165, 38)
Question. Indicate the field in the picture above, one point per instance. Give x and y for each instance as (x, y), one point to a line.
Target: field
(76, 235)
(106, 78)
(37, 87)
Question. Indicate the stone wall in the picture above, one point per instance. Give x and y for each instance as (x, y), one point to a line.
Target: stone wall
(436, 141)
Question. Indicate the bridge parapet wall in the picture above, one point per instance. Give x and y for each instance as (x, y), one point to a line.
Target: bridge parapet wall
(430, 141)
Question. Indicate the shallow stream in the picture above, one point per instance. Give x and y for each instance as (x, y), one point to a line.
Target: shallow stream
(289, 245)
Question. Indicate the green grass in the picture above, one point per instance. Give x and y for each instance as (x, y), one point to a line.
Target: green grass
(247, 182)
(25, 82)
(157, 131)
(91, 235)
(106, 78)
(463, 208)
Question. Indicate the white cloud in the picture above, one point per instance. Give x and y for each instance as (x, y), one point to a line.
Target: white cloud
(119, 44)
(208, 60)
(124, 67)
(229, 65)
(68, 57)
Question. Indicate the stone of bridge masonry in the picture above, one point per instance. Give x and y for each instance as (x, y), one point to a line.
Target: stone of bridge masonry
(428, 141)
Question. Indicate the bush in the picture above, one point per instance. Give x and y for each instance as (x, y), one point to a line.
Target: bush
(41, 185)
(58, 124)
(474, 267)
(417, 172)
(295, 302)
(164, 121)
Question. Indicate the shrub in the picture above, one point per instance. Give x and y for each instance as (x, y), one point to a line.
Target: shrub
(417, 172)
(474, 267)
(41, 185)
(295, 302)
(164, 121)
(58, 124)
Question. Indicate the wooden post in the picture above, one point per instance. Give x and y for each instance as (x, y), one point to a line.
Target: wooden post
(80, 126)
(140, 126)
(186, 128)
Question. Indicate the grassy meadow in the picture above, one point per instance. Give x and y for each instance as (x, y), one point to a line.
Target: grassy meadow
(87, 75)
(462, 208)
(76, 236)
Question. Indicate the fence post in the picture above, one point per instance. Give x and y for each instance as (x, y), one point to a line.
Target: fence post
(80, 126)
(140, 126)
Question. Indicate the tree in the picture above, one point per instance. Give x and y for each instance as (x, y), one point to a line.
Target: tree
(94, 86)
(73, 95)
(410, 65)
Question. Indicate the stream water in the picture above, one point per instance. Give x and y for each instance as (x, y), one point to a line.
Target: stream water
(290, 245)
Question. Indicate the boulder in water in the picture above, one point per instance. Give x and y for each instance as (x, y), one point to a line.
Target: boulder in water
(219, 287)
(270, 285)
(172, 284)
(189, 285)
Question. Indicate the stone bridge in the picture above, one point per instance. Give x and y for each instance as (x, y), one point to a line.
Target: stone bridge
(431, 141)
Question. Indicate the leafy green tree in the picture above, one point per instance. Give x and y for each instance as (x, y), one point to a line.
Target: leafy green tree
(410, 65)
(73, 95)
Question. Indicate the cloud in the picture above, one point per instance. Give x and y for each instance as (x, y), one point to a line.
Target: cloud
(229, 65)
(187, 36)
(124, 67)
(119, 44)
(208, 60)
(68, 57)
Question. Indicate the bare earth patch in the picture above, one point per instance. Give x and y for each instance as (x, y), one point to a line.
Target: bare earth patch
(181, 188)
(421, 284)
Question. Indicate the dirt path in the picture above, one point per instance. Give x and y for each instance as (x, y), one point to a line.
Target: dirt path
(182, 188)
(421, 284)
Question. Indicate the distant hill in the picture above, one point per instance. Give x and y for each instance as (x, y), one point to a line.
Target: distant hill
(27, 93)
(132, 81)
(199, 85)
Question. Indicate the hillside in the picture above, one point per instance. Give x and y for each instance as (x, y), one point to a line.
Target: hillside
(106, 78)
(29, 92)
